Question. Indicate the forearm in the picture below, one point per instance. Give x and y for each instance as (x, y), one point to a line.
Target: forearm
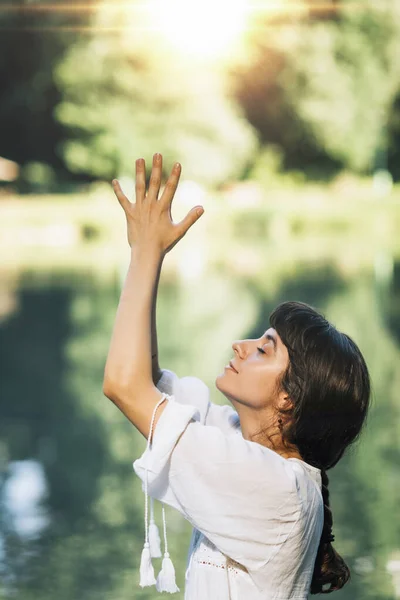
(154, 344)
(129, 362)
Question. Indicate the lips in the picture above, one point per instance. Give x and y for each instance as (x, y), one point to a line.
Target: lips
(230, 363)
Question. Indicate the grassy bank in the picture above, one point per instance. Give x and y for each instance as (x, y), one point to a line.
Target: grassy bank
(85, 231)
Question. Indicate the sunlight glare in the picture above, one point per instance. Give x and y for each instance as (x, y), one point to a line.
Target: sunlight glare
(205, 28)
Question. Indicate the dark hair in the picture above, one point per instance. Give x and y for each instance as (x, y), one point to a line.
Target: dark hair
(328, 383)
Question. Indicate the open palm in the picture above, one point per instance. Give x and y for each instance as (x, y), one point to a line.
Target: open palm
(149, 220)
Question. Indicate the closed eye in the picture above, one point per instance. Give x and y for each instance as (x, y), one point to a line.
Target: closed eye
(261, 350)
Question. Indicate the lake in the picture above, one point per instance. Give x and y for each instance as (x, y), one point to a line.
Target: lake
(72, 518)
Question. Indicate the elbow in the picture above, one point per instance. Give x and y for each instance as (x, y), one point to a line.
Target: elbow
(115, 391)
(110, 390)
(112, 383)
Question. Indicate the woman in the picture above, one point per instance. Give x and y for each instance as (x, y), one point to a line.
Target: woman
(251, 478)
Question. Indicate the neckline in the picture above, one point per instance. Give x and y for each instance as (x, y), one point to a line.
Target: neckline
(305, 464)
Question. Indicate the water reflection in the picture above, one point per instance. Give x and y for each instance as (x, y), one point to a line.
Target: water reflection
(72, 510)
(23, 492)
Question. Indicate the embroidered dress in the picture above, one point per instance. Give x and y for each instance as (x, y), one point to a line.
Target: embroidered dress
(257, 517)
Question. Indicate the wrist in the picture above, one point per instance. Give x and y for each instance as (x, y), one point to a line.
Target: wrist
(147, 252)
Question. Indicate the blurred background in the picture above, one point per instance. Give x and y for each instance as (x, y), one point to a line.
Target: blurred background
(286, 119)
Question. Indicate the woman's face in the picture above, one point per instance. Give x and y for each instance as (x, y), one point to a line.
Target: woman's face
(255, 383)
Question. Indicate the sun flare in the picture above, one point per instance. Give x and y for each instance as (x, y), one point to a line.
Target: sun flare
(206, 28)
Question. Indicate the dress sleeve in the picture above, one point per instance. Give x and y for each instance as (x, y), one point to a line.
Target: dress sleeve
(239, 494)
(193, 391)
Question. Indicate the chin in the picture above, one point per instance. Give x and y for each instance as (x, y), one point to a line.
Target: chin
(220, 382)
(222, 387)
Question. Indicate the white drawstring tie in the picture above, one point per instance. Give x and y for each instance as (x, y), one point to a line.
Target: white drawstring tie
(154, 536)
(166, 578)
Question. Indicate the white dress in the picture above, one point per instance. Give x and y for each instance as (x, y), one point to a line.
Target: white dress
(257, 517)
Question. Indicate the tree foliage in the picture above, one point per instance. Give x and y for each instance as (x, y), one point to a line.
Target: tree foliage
(324, 89)
(90, 89)
(32, 39)
(123, 98)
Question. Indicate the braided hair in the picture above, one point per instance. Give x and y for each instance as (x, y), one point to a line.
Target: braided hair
(329, 569)
(328, 383)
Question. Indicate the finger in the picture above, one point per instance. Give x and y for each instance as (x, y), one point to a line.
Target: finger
(155, 178)
(171, 185)
(194, 215)
(123, 200)
(140, 182)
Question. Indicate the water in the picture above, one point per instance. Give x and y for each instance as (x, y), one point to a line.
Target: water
(71, 507)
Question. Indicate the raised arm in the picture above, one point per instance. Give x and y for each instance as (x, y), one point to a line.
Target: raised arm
(131, 365)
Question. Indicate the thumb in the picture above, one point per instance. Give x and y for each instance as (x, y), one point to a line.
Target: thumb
(192, 216)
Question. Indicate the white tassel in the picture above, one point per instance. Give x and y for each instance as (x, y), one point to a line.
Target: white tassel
(166, 577)
(146, 567)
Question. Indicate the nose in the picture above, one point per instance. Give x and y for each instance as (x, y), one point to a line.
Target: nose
(238, 348)
(244, 348)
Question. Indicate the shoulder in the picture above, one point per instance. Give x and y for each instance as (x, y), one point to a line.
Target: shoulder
(307, 486)
(226, 458)
(193, 391)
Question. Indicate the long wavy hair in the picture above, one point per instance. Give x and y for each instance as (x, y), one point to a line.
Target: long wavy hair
(328, 383)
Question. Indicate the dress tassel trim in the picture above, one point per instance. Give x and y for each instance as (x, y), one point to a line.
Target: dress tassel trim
(166, 578)
(146, 567)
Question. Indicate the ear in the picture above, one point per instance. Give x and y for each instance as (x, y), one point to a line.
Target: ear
(284, 401)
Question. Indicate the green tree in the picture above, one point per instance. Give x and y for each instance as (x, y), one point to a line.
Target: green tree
(32, 40)
(127, 95)
(322, 89)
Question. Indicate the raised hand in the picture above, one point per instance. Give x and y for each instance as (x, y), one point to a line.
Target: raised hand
(149, 220)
